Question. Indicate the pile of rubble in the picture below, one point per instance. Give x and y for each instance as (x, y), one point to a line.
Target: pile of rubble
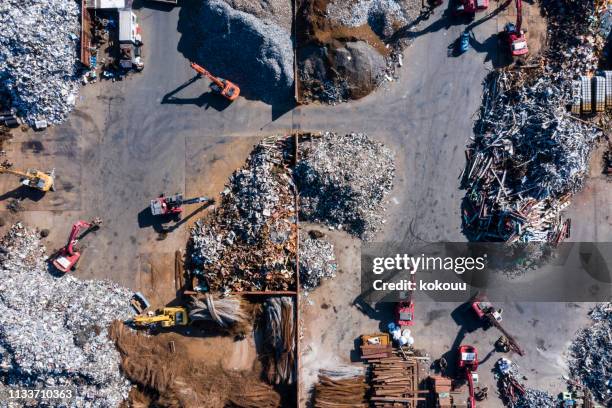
(38, 57)
(591, 354)
(53, 330)
(529, 154)
(248, 242)
(346, 48)
(255, 53)
(343, 181)
(317, 261)
(513, 393)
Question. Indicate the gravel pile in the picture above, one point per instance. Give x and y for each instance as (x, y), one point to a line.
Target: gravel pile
(278, 12)
(317, 261)
(591, 354)
(39, 42)
(53, 331)
(343, 181)
(383, 16)
(256, 54)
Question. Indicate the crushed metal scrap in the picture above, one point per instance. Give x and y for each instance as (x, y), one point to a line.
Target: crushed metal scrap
(513, 392)
(248, 243)
(54, 331)
(317, 261)
(529, 154)
(279, 357)
(590, 360)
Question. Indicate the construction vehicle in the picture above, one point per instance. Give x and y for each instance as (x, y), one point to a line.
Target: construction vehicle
(139, 302)
(514, 36)
(493, 317)
(468, 364)
(404, 313)
(165, 317)
(31, 177)
(173, 205)
(66, 258)
(470, 7)
(225, 88)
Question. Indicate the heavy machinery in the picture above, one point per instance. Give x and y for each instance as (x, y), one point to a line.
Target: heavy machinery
(173, 205)
(66, 258)
(468, 364)
(493, 317)
(223, 87)
(165, 317)
(31, 177)
(514, 36)
(404, 313)
(470, 7)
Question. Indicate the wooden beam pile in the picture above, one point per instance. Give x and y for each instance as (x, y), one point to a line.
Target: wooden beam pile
(395, 382)
(341, 393)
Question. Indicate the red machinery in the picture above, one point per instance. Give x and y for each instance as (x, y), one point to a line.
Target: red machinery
(173, 204)
(468, 364)
(493, 317)
(470, 7)
(67, 257)
(404, 313)
(225, 88)
(514, 35)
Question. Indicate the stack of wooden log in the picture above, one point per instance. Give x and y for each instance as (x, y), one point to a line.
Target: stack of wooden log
(341, 393)
(395, 382)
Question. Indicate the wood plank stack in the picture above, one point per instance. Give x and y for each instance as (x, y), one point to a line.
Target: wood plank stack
(341, 393)
(395, 382)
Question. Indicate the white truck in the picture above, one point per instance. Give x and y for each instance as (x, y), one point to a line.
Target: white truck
(130, 41)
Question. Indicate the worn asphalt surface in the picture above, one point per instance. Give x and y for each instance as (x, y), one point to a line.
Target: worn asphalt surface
(129, 141)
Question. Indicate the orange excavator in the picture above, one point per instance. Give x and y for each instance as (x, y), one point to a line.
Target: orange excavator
(66, 258)
(223, 87)
(513, 34)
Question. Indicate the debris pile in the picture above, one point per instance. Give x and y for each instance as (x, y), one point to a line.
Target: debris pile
(38, 57)
(529, 154)
(254, 53)
(346, 49)
(343, 181)
(513, 393)
(54, 331)
(248, 242)
(279, 340)
(527, 158)
(226, 312)
(591, 354)
(341, 391)
(317, 261)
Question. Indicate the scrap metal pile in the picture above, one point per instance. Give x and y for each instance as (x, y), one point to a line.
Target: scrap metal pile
(333, 391)
(39, 69)
(513, 392)
(317, 261)
(252, 48)
(529, 155)
(249, 242)
(591, 354)
(54, 331)
(226, 311)
(279, 340)
(343, 181)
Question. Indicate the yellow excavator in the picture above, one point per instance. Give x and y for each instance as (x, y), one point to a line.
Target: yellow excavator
(31, 177)
(166, 317)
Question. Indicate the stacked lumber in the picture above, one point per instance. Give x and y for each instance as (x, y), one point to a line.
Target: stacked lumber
(395, 382)
(341, 393)
(442, 387)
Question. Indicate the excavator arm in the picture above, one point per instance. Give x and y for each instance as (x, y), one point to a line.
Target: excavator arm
(75, 233)
(203, 71)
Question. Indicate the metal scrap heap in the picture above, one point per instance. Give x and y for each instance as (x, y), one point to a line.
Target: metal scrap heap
(53, 331)
(249, 242)
(513, 393)
(343, 181)
(529, 154)
(591, 354)
(317, 261)
(39, 69)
